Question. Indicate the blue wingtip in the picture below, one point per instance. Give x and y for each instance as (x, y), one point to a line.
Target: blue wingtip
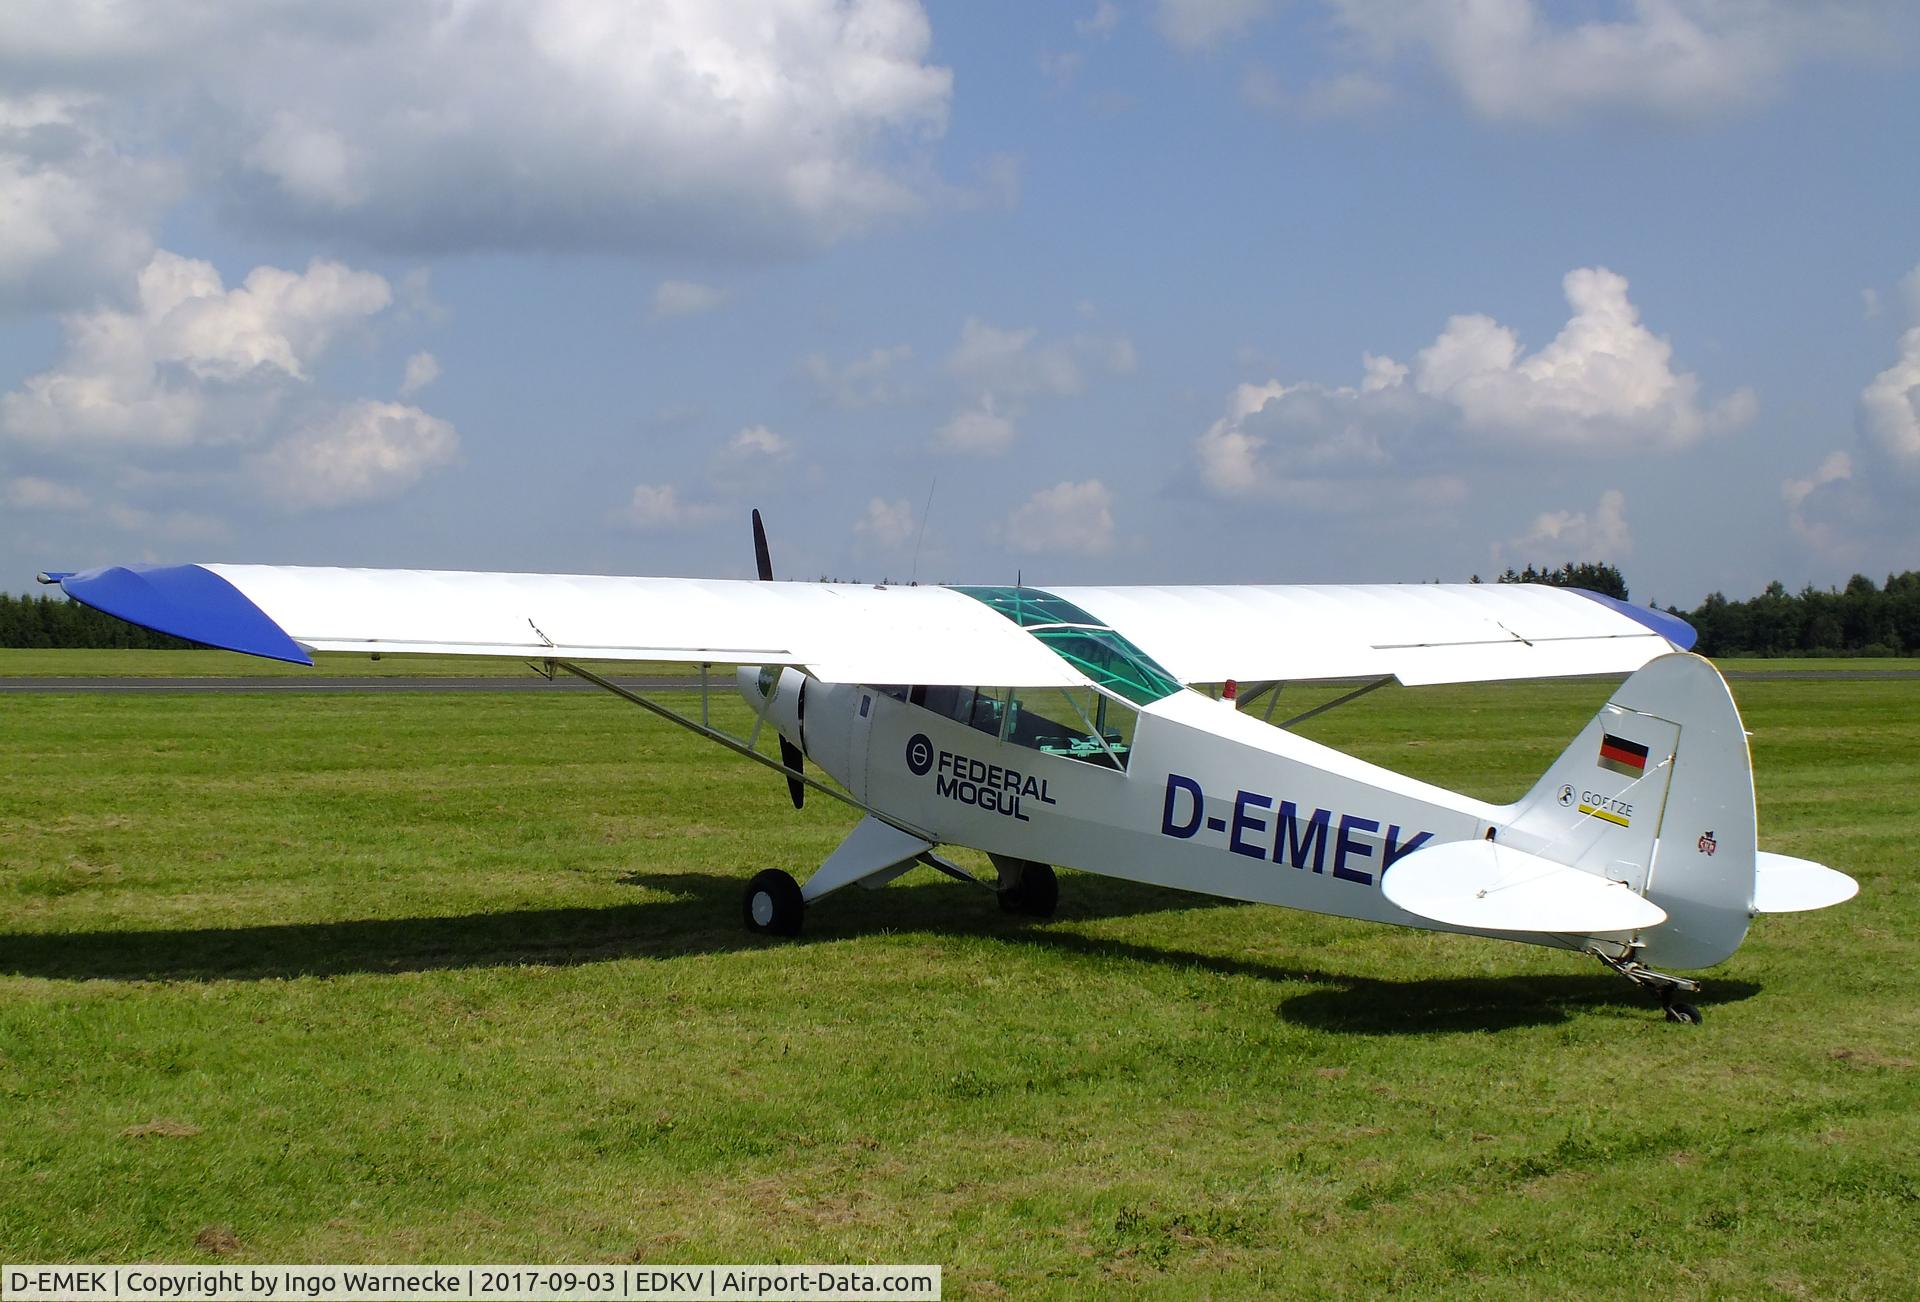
(1673, 628)
(187, 601)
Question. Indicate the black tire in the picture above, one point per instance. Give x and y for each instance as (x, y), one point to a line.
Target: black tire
(1685, 1014)
(1034, 893)
(772, 905)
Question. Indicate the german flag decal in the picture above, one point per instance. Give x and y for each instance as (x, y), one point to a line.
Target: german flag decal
(1622, 756)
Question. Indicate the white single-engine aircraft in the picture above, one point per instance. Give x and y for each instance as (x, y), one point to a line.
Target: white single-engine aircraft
(1060, 726)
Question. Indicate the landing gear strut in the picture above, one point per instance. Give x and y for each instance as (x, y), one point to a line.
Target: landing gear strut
(1664, 984)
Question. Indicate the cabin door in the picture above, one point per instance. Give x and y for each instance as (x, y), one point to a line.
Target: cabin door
(863, 711)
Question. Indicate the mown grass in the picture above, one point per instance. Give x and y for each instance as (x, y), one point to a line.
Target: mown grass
(462, 978)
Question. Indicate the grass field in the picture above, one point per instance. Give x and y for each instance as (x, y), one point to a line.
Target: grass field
(461, 978)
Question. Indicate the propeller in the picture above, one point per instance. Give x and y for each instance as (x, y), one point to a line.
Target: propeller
(789, 753)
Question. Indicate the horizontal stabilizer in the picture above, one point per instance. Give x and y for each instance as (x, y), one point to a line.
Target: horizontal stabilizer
(1486, 886)
(1783, 884)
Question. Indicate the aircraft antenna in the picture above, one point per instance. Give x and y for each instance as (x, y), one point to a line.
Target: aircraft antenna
(914, 575)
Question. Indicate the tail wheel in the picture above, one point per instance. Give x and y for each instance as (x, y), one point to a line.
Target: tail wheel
(1034, 890)
(773, 905)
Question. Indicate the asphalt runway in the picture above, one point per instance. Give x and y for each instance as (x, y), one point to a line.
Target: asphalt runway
(720, 682)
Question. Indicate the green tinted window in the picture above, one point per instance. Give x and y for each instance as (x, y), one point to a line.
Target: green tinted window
(1082, 641)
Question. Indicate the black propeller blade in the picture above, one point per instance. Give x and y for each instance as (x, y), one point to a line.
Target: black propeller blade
(789, 753)
(762, 558)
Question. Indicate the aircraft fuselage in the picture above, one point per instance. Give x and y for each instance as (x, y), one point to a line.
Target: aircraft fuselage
(1209, 799)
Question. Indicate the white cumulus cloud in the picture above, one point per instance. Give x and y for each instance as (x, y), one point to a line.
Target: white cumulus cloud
(1015, 364)
(314, 165)
(1559, 537)
(1530, 61)
(1069, 518)
(75, 209)
(1604, 382)
(980, 431)
(753, 459)
(1605, 376)
(1890, 407)
(1005, 369)
(1817, 533)
(871, 380)
(422, 369)
(362, 452)
(194, 365)
(888, 523)
(146, 377)
(659, 508)
(671, 126)
(1866, 503)
(1006, 362)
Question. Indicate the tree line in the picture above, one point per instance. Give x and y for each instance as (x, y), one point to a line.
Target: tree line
(1859, 619)
(46, 621)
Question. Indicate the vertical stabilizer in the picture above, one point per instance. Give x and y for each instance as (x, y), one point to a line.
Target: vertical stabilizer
(1657, 792)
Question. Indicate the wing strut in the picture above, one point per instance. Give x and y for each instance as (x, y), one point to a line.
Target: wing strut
(1338, 701)
(711, 734)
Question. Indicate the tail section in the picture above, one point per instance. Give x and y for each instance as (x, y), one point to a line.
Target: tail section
(1657, 793)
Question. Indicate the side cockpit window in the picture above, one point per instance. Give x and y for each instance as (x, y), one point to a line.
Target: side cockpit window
(1077, 723)
(983, 708)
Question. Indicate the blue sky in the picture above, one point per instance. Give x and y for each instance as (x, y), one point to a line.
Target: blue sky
(1165, 291)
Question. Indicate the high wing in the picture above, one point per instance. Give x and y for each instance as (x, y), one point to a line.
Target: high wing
(842, 632)
(1425, 633)
(1418, 633)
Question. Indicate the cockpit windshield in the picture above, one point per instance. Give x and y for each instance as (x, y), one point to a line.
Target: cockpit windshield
(1093, 648)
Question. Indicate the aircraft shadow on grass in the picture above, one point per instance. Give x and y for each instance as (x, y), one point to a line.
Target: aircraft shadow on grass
(702, 917)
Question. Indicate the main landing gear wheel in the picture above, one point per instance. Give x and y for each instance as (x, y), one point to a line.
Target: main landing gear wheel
(1034, 890)
(773, 905)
